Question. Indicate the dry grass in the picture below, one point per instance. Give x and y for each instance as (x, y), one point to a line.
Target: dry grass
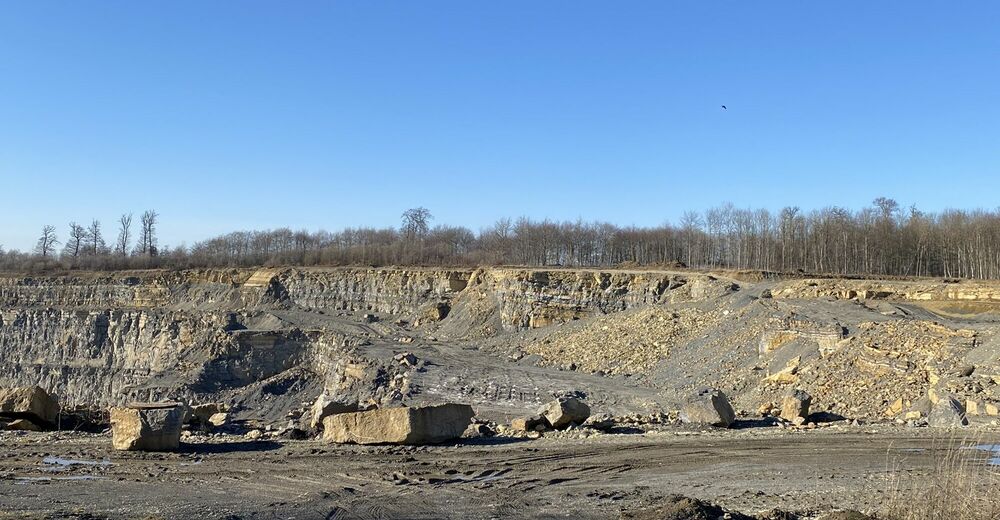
(961, 485)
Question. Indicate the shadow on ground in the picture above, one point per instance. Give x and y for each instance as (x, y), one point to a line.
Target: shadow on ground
(230, 447)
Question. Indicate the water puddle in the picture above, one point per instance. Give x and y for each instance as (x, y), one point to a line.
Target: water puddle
(992, 448)
(58, 464)
(61, 464)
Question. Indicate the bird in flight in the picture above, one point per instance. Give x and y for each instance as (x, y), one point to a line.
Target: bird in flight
(724, 107)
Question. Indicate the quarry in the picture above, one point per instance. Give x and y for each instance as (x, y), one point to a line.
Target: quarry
(361, 392)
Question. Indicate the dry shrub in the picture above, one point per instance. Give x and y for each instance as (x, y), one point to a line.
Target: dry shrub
(961, 485)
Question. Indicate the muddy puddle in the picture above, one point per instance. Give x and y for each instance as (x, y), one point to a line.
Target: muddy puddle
(994, 450)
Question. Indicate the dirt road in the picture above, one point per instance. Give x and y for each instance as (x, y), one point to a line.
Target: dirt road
(62, 474)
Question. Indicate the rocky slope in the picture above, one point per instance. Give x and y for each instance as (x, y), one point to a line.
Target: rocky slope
(882, 350)
(108, 338)
(502, 339)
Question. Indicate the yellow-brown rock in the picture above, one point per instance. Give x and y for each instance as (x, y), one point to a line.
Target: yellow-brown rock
(147, 426)
(895, 408)
(414, 426)
(29, 402)
(795, 404)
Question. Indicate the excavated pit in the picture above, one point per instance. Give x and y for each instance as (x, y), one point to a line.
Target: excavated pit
(636, 345)
(230, 335)
(503, 339)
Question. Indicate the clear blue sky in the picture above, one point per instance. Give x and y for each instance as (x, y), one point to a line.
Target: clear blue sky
(245, 114)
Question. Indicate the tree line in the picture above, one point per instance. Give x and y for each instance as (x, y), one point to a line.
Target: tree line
(882, 239)
(86, 247)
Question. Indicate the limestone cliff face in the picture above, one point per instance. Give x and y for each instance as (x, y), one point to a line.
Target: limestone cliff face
(523, 298)
(84, 354)
(109, 338)
(533, 298)
(131, 289)
(916, 291)
(392, 291)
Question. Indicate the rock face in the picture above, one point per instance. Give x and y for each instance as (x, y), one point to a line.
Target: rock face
(435, 311)
(527, 298)
(147, 427)
(326, 406)
(709, 406)
(795, 404)
(420, 425)
(110, 338)
(888, 290)
(565, 411)
(947, 412)
(31, 403)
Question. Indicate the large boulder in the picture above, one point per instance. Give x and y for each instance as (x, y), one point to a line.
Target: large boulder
(565, 411)
(326, 406)
(947, 412)
(435, 311)
(795, 404)
(709, 406)
(201, 414)
(147, 426)
(418, 425)
(31, 403)
(529, 424)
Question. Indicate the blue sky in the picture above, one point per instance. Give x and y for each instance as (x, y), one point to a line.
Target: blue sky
(239, 115)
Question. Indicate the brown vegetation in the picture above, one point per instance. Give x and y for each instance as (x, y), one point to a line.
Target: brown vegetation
(959, 487)
(882, 240)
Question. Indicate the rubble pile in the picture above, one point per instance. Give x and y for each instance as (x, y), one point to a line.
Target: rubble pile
(884, 369)
(628, 342)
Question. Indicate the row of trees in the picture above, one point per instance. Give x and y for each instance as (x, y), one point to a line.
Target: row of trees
(883, 239)
(87, 247)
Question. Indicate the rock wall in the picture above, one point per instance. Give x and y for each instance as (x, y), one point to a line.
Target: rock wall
(107, 338)
(916, 291)
(87, 355)
(392, 291)
(533, 298)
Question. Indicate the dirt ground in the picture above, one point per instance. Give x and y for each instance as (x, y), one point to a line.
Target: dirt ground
(78, 475)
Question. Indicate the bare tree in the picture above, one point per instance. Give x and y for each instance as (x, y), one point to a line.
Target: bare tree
(496, 239)
(147, 234)
(124, 234)
(46, 246)
(95, 242)
(416, 222)
(75, 243)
